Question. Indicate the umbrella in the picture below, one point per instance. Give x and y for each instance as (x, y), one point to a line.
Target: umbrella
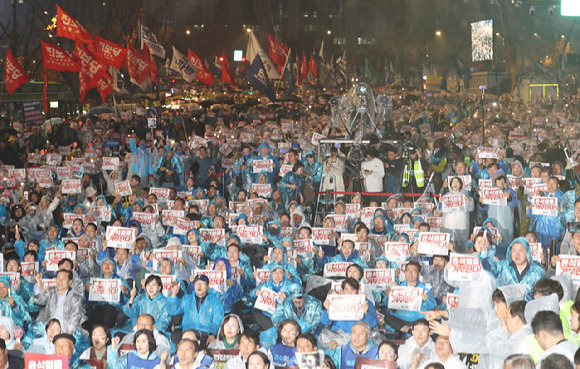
(207, 103)
(252, 102)
(103, 109)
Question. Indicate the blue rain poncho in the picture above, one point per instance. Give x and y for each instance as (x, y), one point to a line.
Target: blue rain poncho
(506, 271)
(548, 228)
(156, 307)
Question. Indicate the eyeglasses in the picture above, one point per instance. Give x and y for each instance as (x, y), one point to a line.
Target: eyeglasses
(389, 352)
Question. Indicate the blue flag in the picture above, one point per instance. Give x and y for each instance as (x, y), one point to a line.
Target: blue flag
(258, 76)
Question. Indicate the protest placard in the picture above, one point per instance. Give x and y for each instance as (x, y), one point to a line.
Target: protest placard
(569, 264)
(262, 275)
(221, 356)
(71, 186)
(110, 163)
(105, 290)
(161, 193)
(304, 248)
(123, 188)
(217, 278)
(265, 165)
(405, 298)
(170, 216)
(346, 307)
(267, 300)
(120, 237)
(493, 196)
(144, 218)
(264, 190)
(378, 279)
(488, 152)
(332, 270)
(467, 181)
(397, 251)
(250, 234)
(453, 203)
(42, 361)
(545, 206)
(463, 267)
(367, 363)
(166, 282)
(323, 236)
(103, 213)
(433, 243)
(53, 257)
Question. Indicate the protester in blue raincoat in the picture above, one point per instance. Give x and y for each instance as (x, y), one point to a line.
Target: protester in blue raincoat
(290, 184)
(201, 310)
(265, 153)
(233, 290)
(350, 286)
(548, 227)
(141, 162)
(312, 169)
(272, 233)
(12, 305)
(243, 171)
(517, 268)
(279, 255)
(169, 170)
(149, 300)
(347, 254)
(278, 283)
(302, 308)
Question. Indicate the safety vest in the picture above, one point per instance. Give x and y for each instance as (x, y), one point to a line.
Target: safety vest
(417, 173)
(535, 348)
(565, 315)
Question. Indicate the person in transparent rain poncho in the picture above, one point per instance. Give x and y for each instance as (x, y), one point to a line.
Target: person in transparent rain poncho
(456, 218)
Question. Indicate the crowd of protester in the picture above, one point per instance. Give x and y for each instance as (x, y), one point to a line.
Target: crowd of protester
(232, 166)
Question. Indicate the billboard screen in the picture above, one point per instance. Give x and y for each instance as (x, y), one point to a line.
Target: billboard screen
(482, 40)
(571, 8)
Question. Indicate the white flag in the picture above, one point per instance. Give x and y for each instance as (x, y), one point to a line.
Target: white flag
(254, 49)
(147, 37)
(180, 63)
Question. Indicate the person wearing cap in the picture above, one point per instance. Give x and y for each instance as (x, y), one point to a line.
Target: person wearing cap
(312, 169)
(415, 173)
(201, 310)
(64, 344)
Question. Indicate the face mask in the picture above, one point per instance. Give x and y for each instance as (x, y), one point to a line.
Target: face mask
(143, 146)
(179, 153)
(274, 230)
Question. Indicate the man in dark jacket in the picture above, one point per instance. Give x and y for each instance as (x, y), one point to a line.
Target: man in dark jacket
(10, 359)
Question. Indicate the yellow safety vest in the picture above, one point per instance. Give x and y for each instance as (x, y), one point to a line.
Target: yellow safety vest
(417, 172)
(535, 348)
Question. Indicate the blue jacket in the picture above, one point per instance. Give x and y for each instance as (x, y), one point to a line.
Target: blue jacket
(144, 305)
(207, 319)
(353, 258)
(547, 227)
(308, 321)
(506, 270)
(141, 165)
(282, 355)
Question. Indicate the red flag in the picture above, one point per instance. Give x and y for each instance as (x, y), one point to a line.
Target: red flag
(68, 27)
(299, 79)
(277, 53)
(203, 74)
(154, 73)
(139, 67)
(112, 53)
(304, 65)
(227, 75)
(14, 75)
(313, 68)
(105, 86)
(84, 83)
(93, 66)
(56, 58)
